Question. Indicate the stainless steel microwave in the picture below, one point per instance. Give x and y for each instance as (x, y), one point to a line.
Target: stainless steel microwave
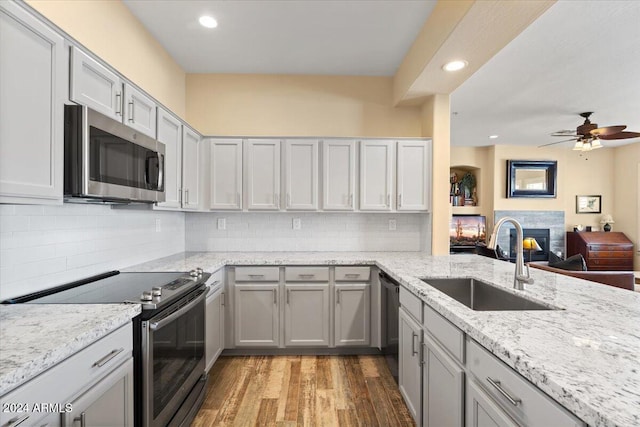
(106, 161)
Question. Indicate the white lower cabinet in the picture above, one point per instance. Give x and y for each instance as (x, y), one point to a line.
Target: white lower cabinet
(256, 319)
(306, 315)
(352, 314)
(214, 327)
(482, 411)
(409, 364)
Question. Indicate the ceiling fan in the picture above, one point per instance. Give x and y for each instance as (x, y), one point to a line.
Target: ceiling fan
(588, 135)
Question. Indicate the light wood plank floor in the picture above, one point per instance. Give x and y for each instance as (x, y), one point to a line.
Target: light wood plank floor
(302, 391)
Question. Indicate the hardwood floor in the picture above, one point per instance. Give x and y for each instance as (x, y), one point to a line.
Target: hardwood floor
(302, 391)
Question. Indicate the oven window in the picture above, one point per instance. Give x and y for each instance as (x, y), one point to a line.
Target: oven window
(117, 161)
(177, 349)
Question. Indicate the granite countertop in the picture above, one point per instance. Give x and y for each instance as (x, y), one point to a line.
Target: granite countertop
(35, 337)
(586, 356)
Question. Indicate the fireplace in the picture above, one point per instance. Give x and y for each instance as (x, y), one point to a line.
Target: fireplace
(542, 237)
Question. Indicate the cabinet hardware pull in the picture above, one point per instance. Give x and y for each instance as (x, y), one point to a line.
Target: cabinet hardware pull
(17, 421)
(275, 296)
(222, 299)
(131, 116)
(422, 353)
(82, 418)
(180, 196)
(118, 103)
(306, 276)
(337, 296)
(256, 276)
(496, 384)
(350, 200)
(100, 363)
(352, 275)
(399, 200)
(288, 291)
(413, 344)
(186, 196)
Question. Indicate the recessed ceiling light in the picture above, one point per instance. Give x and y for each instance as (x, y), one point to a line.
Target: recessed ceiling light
(493, 136)
(208, 21)
(455, 65)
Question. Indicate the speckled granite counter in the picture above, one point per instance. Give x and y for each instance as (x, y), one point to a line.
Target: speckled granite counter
(35, 337)
(587, 357)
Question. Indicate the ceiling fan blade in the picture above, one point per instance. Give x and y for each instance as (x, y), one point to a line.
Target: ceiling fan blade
(608, 130)
(621, 135)
(564, 133)
(558, 142)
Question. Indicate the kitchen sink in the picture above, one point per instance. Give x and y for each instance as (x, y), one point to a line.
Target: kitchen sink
(481, 296)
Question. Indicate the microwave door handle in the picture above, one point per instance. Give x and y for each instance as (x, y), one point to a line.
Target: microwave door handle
(154, 326)
(160, 186)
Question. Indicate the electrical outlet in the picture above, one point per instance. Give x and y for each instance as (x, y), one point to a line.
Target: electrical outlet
(222, 223)
(158, 225)
(297, 223)
(392, 224)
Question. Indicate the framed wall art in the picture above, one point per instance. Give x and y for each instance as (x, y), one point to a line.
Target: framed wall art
(589, 204)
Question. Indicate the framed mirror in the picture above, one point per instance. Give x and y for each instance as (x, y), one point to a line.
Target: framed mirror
(531, 178)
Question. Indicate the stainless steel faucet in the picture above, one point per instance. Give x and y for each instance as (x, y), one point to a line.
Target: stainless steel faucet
(520, 279)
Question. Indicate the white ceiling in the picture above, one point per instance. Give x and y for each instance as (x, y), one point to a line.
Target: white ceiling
(347, 37)
(578, 56)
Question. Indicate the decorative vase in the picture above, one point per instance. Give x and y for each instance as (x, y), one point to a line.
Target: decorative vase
(607, 227)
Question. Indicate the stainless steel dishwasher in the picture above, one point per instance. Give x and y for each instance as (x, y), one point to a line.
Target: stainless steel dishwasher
(389, 320)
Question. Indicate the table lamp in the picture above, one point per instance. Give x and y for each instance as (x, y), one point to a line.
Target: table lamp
(607, 220)
(530, 244)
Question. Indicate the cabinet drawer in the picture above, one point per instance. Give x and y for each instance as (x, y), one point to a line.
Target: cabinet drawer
(350, 274)
(600, 248)
(447, 334)
(610, 254)
(257, 274)
(411, 303)
(306, 274)
(530, 406)
(62, 382)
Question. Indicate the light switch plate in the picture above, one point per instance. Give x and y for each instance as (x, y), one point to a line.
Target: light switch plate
(297, 223)
(392, 224)
(222, 223)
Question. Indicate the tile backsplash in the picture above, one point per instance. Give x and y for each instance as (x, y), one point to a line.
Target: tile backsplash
(43, 246)
(263, 231)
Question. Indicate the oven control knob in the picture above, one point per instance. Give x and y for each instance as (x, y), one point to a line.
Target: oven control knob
(193, 273)
(146, 296)
(156, 291)
(200, 271)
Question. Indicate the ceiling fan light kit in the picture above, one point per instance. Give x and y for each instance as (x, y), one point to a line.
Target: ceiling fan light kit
(588, 135)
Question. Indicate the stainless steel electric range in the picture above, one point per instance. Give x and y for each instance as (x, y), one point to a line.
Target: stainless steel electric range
(169, 364)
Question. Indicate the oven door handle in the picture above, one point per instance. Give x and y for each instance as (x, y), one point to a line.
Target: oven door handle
(154, 326)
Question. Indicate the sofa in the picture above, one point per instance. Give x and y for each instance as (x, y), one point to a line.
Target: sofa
(619, 279)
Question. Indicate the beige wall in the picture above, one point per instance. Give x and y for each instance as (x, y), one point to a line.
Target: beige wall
(626, 210)
(110, 30)
(253, 105)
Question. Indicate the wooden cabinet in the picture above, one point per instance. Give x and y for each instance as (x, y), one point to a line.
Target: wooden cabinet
(170, 134)
(338, 175)
(301, 174)
(306, 315)
(409, 364)
(226, 174)
(256, 319)
(139, 111)
(602, 251)
(443, 387)
(376, 175)
(214, 327)
(190, 169)
(352, 314)
(413, 176)
(263, 174)
(33, 85)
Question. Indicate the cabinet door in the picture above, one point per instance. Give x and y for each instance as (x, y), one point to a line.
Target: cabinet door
(214, 328)
(256, 315)
(190, 168)
(352, 314)
(409, 377)
(306, 315)
(301, 174)
(482, 411)
(108, 403)
(94, 85)
(414, 175)
(376, 175)
(33, 75)
(263, 174)
(170, 134)
(139, 111)
(338, 175)
(442, 388)
(226, 174)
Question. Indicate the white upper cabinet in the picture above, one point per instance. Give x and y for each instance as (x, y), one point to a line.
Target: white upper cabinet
(414, 175)
(301, 174)
(263, 174)
(190, 169)
(226, 174)
(170, 134)
(376, 175)
(338, 174)
(94, 85)
(33, 88)
(139, 111)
